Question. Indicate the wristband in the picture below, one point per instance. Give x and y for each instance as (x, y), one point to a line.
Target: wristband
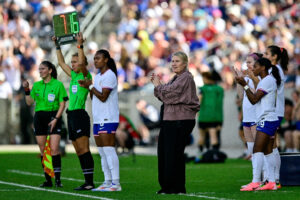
(80, 46)
(57, 47)
(91, 87)
(246, 87)
(27, 91)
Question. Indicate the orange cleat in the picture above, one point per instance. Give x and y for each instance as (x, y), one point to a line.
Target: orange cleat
(251, 186)
(268, 186)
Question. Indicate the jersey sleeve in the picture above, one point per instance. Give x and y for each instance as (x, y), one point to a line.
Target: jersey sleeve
(33, 92)
(63, 96)
(110, 81)
(266, 85)
(89, 76)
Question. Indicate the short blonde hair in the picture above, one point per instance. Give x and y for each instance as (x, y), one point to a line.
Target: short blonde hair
(184, 58)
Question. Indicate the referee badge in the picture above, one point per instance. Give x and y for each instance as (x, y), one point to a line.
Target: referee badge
(51, 97)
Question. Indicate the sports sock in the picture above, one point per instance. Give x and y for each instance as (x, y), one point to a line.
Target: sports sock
(265, 170)
(113, 163)
(259, 161)
(270, 160)
(56, 161)
(277, 163)
(104, 165)
(48, 178)
(87, 166)
(250, 146)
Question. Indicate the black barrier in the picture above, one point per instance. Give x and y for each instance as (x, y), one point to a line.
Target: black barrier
(290, 169)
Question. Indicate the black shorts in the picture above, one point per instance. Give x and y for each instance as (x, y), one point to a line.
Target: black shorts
(205, 125)
(78, 124)
(42, 119)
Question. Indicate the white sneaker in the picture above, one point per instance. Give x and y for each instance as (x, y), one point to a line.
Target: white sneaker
(103, 186)
(112, 188)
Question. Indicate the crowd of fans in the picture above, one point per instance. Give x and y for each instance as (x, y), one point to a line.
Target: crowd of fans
(215, 34)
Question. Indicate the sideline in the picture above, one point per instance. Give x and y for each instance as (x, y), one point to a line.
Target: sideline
(54, 191)
(42, 175)
(204, 197)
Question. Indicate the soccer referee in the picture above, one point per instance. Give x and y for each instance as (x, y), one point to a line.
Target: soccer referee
(50, 97)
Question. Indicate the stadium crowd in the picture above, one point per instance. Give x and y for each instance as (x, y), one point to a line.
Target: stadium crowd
(215, 34)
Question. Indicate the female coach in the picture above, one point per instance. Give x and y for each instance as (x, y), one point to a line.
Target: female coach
(181, 104)
(266, 120)
(105, 108)
(78, 119)
(50, 97)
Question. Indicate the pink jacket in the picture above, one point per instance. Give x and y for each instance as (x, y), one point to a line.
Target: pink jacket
(179, 97)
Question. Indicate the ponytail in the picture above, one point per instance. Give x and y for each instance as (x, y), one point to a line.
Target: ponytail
(267, 64)
(111, 62)
(282, 56)
(50, 66)
(275, 73)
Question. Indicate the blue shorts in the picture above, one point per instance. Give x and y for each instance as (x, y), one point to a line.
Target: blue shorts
(267, 127)
(249, 124)
(107, 128)
(279, 121)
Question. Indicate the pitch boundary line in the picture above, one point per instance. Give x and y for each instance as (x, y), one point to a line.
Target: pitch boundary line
(54, 191)
(41, 175)
(205, 197)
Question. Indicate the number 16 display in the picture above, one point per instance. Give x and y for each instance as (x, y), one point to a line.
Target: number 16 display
(66, 26)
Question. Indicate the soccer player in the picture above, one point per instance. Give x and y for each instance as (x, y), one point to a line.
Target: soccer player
(278, 57)
(50, 98)
(249, 110)
(78, 119)
(266, 118)
(105, 108)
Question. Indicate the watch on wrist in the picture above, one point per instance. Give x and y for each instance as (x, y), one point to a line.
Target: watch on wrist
(91, 87)
(246, 87)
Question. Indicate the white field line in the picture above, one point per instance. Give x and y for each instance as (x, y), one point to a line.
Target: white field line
(42, 175)
(204, 197)
(54, 191)
(63, 178)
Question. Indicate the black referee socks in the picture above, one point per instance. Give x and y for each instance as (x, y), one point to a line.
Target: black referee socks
(56, 161)
(48, 178)
(87, 166)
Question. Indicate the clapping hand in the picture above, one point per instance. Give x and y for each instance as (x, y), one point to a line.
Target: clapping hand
(239, 77)
(155, 79)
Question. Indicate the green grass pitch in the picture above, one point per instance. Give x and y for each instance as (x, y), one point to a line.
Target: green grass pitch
(21, 174)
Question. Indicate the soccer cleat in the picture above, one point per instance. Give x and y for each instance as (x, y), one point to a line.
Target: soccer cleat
(85, 186)
(103, 186)
(251, 186)
(58, 184)
(112, 188)
(264, 183)
(278, 185)
(46, 184)
(268, 186)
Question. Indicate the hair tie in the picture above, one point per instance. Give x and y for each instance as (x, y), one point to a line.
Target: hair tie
(254, 56)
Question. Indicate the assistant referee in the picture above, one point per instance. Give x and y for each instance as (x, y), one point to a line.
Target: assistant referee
(50, 98)
(78, 119)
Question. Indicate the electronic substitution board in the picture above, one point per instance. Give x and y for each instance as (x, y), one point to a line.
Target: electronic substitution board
(66, 27)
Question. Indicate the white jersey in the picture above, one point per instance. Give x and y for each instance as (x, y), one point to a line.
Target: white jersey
(265, 108)
(280, 94)
(108, 111)
(249, 110)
